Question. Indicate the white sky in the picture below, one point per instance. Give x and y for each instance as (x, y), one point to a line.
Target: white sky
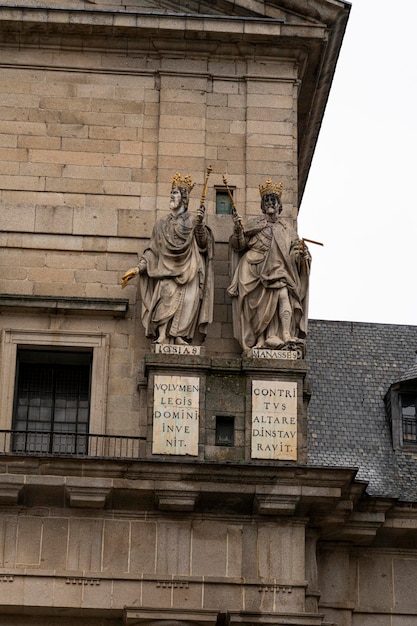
(360, 199)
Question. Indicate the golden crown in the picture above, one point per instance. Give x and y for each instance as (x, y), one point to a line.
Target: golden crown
(182, 181)
(270, 187)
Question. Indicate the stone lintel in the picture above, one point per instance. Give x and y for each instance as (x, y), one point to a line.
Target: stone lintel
(358, 534)
(276, 504)
(178, 617)
(256, 366)
(358, 526)
(362, 526)
(115, 307)
(176, 500)
(177, 361)
(276, 619)
(169, 617)
(10, 489)
(401, 517)
(220, 364)
(87, 497)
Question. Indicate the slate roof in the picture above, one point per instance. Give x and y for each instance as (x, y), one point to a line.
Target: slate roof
(351, 367)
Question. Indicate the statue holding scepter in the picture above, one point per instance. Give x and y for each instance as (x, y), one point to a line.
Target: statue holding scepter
(269, 286)
(176, 272)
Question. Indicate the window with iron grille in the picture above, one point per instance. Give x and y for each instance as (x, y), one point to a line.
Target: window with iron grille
(52, 401)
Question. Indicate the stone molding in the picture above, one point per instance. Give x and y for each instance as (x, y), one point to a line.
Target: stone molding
(87, 497)
(222, 364)
(181, 617)
(114, 307)
(176, 500)
(185, 487)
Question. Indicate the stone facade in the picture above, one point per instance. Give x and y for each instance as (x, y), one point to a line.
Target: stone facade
(101, 102)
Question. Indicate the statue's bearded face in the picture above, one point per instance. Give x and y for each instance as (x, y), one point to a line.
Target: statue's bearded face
(175, 201)
(179, 199)
(271, 207)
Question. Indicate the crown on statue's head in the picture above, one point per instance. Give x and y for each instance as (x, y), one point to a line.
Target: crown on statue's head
(270, 187)
(182, 181)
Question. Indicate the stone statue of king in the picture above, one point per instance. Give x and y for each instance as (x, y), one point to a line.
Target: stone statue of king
(270, 274)
(176, 273)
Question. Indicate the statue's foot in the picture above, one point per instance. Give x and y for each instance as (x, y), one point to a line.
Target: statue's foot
(247, 353)
(179, 341)
(288, 339)
(274, 342)
(162, 339)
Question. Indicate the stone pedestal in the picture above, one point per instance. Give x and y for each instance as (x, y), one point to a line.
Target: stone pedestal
(265, 398)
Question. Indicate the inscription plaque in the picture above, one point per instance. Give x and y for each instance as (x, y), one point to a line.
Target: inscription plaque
(266, 353)
(167, 348)
(274, 420)
(176, 415)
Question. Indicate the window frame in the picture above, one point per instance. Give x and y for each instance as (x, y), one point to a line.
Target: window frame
(394, 412)
(12, 339)
(411, 394)
(54, 418)
(222, 191)
(230, 421)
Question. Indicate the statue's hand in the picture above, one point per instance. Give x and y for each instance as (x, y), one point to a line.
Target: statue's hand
(238, 228)
(301, 252)
(306, 255)
(201, 211)
(128, 275)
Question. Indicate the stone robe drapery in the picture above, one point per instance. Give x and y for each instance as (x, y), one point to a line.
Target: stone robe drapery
(268, 261)
(178, 284)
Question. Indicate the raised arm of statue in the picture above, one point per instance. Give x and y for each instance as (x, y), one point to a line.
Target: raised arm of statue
(139, 269)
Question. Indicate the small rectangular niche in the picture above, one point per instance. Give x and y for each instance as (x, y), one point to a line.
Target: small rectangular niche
(225, 430)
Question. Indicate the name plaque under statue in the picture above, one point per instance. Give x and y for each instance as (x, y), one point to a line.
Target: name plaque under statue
(176, 415)
(266, 353)
(167, 348)
(274, 420)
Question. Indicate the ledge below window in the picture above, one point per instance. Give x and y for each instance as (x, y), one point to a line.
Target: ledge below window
(99, 306)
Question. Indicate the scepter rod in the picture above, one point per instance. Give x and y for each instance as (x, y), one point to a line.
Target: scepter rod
(235, 214)
(204, 192)
(318, 243)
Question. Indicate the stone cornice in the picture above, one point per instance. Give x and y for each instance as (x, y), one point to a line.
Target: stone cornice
(115, 307)
(327, 499)
(265, 489)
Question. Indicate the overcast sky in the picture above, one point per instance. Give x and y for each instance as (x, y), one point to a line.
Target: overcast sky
(360, 199)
